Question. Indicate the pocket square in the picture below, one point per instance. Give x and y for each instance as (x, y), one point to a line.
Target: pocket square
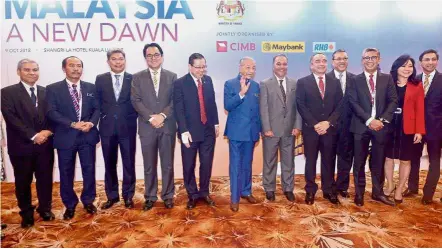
(90, 95)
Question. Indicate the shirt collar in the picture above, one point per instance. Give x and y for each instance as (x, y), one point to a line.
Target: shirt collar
(113, 74)
(431, 75)
(278, 79)
(28, 87)
(151, 70)
(317, 77)
(337, 73)
(70, 83)
(367, 75)
(195, 79)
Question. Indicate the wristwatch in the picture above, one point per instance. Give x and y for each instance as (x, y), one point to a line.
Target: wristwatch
(73, 124)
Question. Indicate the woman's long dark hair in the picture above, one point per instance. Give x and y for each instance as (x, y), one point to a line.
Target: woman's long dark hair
(399, 62)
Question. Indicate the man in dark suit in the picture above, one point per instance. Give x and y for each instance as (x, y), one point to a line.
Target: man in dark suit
(319, 99)
(432, 83)
(197, 117)
(373, 98)
(74, 110)
(118, 128)
(151, 97)
(281, 123)
(29, 134)
(344, 136)
(243, 127)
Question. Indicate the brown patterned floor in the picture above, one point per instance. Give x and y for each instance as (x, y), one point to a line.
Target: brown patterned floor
(278, 224)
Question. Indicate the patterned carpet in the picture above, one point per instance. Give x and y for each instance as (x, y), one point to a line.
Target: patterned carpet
(278, 224)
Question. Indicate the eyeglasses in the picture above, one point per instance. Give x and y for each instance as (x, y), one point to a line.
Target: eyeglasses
(370, 58)
(154, 56)
(200, 67)
(117, 59)
(429, 59)
(341, 59)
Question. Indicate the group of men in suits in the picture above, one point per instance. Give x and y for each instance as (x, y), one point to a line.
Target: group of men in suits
(339, 113)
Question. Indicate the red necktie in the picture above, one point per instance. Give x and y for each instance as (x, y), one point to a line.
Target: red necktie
(321, 87)
(371, 82)
(201, 100)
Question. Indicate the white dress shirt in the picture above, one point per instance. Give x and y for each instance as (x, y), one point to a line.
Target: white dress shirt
(157, 88)
(80, 97)
(373, 107)
(28, 90)
(430, 79)
(343, 79)
(317, 82)
(114, 80)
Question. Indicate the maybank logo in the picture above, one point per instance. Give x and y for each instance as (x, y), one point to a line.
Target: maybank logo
(283, 47)
(324, 47)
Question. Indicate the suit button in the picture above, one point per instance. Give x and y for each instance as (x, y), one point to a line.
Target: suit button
(322, 114)
(158, 102)
(116, 105)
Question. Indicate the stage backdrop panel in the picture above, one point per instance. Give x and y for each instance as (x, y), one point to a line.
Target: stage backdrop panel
(223, 31)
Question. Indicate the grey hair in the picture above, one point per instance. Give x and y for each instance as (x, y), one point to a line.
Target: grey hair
(246, 58)
(114, 51)
(23, 61)
(280, 55)
(311, 57)
(366, 50)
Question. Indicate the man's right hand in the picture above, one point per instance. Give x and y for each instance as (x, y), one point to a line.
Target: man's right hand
(244, 86)
(269, 134)
(40, 138)
(376, 125)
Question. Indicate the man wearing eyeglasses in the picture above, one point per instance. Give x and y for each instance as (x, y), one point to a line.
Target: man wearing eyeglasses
(319, 99)
(151, 97)
(118, 128)
(432, 83)
(373, 98)
(197, 117)
(345, 137)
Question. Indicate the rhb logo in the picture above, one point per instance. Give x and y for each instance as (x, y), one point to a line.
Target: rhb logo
(324, 47)
(223, 46)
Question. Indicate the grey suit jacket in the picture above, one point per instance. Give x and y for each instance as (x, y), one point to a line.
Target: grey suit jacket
(277, 116)
(146, 103)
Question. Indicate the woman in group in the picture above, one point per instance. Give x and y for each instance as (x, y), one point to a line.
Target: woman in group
(407, 126)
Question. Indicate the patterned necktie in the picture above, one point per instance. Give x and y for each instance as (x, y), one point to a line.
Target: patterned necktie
(342, 82)
(33, 97)
(284, 97)
(155, 81)
(76, 100)
(117, 86)
(201, 100)
(371, 82)
(321, 87)
(426, 83)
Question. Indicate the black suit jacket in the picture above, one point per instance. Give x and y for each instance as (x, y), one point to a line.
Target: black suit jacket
(61, 112)
(346, 112)
(433, 107)
(313, 109)
(360, 100)
(23, 120)
(115, 114)
(187, 107)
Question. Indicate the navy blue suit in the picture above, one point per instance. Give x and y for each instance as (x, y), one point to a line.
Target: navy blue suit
(68, 141)
(188, 116)
(242, 129)
(118, 127)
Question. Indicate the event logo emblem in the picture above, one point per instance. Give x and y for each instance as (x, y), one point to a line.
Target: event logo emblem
(221, 46)
(283, 47)
(230, 11)
(324, 47)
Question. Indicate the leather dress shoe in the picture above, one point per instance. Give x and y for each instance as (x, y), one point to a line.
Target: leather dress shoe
(359, 200)
(109, 203)
(47, 216)
(69, 214)
(426, 201)
(270, 195)
(344, 193)
(208, 200)
(250, 199)
(129, 203)
(234, 207)
(409, 193)
(440, 199)
(168, 203)
(191, 204)
(309, 198)
(27, 221)
(90, 208)
(148, 205)
(384, 199)
(290, 196)
(333, 198)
